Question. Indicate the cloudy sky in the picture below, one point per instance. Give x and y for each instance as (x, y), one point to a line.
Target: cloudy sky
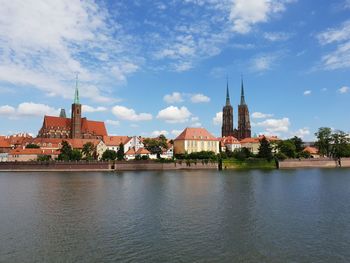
(148, 67)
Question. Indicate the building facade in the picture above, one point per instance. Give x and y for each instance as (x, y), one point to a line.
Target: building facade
(196, 140)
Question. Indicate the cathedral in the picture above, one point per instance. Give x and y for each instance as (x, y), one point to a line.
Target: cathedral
(75, 127)
(243, 130)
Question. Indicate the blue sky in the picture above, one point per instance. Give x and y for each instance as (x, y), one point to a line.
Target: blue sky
(150, 67)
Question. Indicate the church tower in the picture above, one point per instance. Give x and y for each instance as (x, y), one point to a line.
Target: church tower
(227, 117)
(76, 114)
(244, 129)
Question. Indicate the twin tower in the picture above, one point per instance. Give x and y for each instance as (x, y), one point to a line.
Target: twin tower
(244, 129)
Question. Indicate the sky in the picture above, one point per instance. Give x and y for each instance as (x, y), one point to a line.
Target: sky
(149, 67)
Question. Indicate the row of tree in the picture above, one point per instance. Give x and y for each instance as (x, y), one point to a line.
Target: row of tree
(335, 144)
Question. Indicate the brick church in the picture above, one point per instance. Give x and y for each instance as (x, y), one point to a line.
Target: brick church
(75, 127)
(244, 129)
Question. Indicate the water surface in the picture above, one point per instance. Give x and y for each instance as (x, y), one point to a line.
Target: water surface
(181, 216)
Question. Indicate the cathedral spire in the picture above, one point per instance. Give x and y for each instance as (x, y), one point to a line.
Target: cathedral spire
(227, 95)
(242, 92)
(76, 95)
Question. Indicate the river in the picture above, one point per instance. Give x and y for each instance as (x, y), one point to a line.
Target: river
(180, 216)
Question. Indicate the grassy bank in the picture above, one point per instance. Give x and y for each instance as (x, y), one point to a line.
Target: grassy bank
(248, 164)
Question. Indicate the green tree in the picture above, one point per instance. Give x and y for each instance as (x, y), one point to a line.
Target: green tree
(65, 152)
(76, 155)
(241, 154)
(109, 155)
(265, 149)
(120, 152)
(340, 144)
(88, 151)
(298, 143)
(324, 140)
(44, 158)
(32, 146)
(288, 148)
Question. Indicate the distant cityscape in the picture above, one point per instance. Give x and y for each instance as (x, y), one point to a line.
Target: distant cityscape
(78, 132)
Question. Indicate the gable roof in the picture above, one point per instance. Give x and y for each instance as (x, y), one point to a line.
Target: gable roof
(115, 140)
(57, 122)
(94, 127)
(311, 150)
(142, 151)
(199, 134)
(131, 151)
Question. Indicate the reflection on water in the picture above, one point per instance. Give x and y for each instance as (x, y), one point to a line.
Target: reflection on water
(188, 216)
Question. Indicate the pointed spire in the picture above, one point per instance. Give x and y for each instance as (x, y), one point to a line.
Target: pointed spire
(242, 92)
(227, 94)
(76, 95)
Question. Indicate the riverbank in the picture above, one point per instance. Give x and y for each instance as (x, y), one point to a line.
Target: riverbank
(106, 166)
(228, 164)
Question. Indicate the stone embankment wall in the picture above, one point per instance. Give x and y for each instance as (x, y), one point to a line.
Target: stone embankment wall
(345, 162)
(309, 163)
(104, 166)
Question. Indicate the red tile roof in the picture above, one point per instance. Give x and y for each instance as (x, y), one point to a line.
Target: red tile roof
(115, 140)
(79, 143)
(199, 134)
(93, 127)
(142, 151)
(229, 140)
(4, 143)
(311, 150)
(131, 151)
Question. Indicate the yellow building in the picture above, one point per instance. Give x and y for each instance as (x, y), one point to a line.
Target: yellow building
(196, 140)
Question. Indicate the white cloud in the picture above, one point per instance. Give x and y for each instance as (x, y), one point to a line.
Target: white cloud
(125, 113)
(176, 132)
(277, 36)
(246, 13)
(343, 90)
(174, 114)
(7, 110)
(259, 115)
(302, 133)
(42, 44)
(217, 120)
(35, 109)
(87, 108)
(158, 133)
(175, 97)
(199, 98)
(121, 71)
(340, 57)
(263, 62)
(27, 109)
(307, 92)
(113, 122)
(275, 125)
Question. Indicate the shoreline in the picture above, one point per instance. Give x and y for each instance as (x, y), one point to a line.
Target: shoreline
(168, 166)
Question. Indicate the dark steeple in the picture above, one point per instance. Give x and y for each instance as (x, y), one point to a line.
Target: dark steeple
(227, 116)
(242, 93)
(63, 113)
(228, 103)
